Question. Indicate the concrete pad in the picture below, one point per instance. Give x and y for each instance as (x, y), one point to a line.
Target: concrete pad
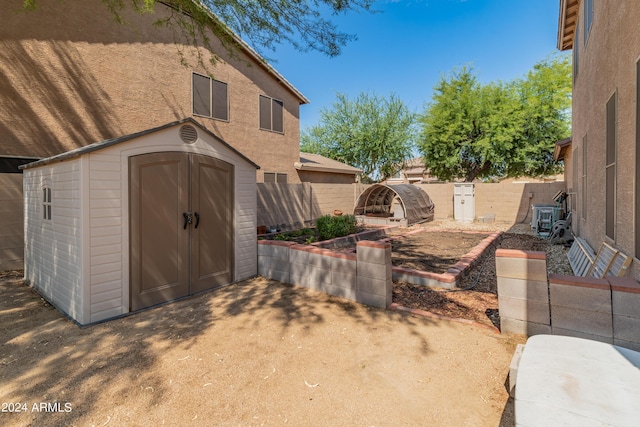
(577, 382)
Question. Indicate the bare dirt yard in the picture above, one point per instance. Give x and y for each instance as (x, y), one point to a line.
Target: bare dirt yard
(476, 297)
(253, 353)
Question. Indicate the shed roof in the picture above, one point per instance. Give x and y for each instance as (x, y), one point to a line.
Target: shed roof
(318, 163)
(113, 141)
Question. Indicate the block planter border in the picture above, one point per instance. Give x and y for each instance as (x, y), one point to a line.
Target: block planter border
(453, 276)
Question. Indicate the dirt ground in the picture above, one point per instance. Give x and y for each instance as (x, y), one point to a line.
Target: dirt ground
(476, 297)
(253, 353)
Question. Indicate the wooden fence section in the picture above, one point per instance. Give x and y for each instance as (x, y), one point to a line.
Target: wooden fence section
(11, 222)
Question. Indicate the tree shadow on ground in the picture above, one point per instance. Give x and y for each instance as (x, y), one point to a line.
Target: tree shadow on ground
(45, 357)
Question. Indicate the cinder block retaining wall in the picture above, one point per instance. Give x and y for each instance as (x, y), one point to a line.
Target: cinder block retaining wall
(450, 278)
(606, 310)
(364, 277)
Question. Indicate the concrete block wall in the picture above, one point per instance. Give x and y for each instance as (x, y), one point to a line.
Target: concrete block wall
(509, 201)
(374, 284)
(328, 197)
(364, 277)
(606, 310)
(523, 297)
(625, 306)
(581, 307)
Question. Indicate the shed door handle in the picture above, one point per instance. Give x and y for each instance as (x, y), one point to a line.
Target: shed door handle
(187, 219)
(197, 218)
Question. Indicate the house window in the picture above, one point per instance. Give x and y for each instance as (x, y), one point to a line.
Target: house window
(46, 203)
(637, 177)
(576, 53)
(277, 177)
(271, 114)
(210, 98)
(610, 167)
(584, 179)
(588, 19)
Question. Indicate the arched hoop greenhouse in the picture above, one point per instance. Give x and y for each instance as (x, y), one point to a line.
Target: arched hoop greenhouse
(402, 204)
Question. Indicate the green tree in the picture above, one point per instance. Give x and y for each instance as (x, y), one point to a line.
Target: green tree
(500, 129)
(264, 24)
(375, 134)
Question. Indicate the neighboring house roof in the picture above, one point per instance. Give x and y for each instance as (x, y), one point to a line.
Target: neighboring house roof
(567, 20)
(113, 141)
(561, 148)
(318, 163)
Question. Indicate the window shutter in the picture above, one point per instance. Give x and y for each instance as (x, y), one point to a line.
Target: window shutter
(277, 116)
(201, 98)
(265, 112)
(220, 100)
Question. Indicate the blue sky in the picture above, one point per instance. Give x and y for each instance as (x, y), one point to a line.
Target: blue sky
(410, 44)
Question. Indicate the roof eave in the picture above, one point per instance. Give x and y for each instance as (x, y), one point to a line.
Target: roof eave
(561, 148)
(567, 21)
(255, 55)
(314, 168)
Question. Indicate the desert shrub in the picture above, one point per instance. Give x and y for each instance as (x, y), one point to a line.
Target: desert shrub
(330, 227)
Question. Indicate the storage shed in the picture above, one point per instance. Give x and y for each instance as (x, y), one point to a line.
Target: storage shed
(132, 222)
(403, 204)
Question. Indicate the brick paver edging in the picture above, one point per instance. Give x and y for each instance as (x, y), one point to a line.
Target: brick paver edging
(425, 313)
(449, 279)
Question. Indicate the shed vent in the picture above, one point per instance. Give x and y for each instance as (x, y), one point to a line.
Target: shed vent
(188, 134)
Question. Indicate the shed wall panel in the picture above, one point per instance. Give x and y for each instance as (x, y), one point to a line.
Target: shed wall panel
(109, 218)
(53, 247)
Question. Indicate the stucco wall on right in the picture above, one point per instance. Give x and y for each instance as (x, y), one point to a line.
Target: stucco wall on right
(607, 55)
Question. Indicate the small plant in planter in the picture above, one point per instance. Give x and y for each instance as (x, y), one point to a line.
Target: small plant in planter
(330, 227)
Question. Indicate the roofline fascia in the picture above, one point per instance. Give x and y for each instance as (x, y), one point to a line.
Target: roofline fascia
(215, 19)
(307, 167)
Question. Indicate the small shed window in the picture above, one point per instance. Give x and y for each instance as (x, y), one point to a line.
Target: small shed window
(271, 114)
(46, 203)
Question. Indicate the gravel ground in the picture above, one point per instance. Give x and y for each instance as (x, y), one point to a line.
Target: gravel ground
(476, 297)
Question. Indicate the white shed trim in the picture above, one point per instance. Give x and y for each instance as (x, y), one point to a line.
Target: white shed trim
(99, 239)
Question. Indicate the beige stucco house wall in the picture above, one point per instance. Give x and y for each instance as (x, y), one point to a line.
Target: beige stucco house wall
(72, 76)
(605, 40)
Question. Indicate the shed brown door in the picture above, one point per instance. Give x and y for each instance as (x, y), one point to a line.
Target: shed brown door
(212, 239)
(181, 222)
